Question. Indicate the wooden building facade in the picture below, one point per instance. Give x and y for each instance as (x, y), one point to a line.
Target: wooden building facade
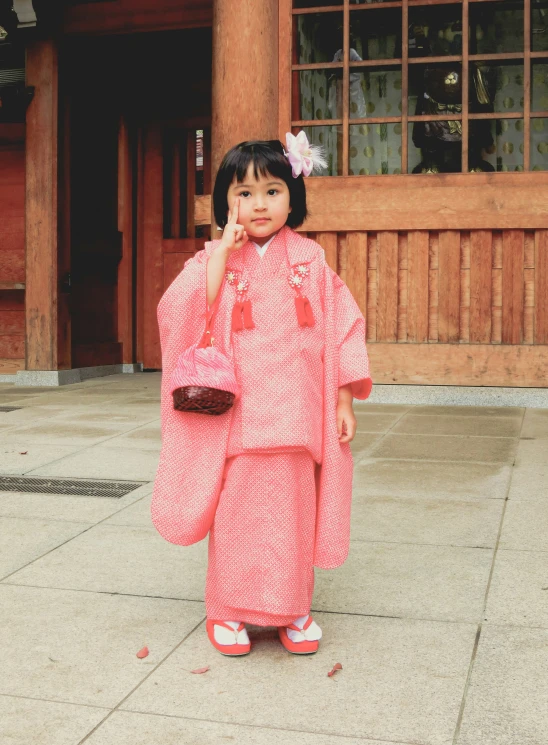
(433, 208)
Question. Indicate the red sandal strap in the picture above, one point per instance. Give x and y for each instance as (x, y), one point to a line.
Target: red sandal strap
(230, 628)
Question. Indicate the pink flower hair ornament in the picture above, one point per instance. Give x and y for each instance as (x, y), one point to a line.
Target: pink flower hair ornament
(303, 156)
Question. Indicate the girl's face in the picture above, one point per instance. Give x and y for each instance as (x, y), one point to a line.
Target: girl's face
(264, 204)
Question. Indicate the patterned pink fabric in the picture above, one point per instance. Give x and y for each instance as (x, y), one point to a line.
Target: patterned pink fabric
(288, 400)
(261, 545)
(205, 367)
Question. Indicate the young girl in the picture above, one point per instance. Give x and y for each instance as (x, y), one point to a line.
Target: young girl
(273, 474)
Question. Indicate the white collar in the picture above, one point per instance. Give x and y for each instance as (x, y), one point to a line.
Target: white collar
(261, 250)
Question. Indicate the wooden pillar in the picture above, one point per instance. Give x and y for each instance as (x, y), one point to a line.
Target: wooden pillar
(245, 73)
(41, 224)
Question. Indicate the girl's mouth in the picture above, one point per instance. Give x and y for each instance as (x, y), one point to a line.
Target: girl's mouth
(261, 220)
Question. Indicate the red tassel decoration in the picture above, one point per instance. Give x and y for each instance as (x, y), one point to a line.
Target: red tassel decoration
(308, 311)
(301, 314)
(237, 324)
(248, 320)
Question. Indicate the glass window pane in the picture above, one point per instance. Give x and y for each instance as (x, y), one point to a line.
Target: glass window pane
(539, 87)
(539, 144)
(318, 94)
(375, 34)
(435, 147)
(435, 89)
(496, 27)
(506, 151)
(496, 87)
(318, 37)
(375, 92)
(330, 138)
(435, 31)
(374, 149)
(539, 25)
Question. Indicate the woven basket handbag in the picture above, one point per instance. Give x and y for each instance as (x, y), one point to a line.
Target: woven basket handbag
(204, 380)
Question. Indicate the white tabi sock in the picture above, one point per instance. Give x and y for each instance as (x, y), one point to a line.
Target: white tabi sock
(225, 637)
(313, 632)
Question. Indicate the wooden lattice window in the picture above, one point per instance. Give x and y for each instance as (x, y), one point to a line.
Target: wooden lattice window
(395, 87)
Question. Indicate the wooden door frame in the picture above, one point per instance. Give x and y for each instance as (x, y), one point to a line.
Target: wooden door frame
(151, 246)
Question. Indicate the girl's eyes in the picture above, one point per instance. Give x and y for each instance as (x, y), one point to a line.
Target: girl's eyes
(270, 192)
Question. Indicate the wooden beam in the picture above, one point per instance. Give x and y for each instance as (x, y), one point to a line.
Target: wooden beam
(41, 208)
(490, 201)
(130, 16)
(241, 49)
(460, 364)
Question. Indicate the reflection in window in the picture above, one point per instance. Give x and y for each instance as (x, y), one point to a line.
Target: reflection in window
(330, 138)
(506, 154)
(435, 31)
(539, 87)
(319, 94)
(539, 144)
(496, 87)
(496, 27)
(376, 34)
(374, 149)
(319, 37)
(375, 92)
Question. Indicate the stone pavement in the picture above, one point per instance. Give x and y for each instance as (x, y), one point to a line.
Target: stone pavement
(439, 616)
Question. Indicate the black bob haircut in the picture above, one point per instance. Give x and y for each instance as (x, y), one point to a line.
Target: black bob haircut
(267, 157)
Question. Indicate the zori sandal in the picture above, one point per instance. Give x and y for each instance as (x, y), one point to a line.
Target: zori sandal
(235, 649)
(303, 644)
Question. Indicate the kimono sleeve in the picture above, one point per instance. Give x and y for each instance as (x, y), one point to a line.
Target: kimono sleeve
(350, 338)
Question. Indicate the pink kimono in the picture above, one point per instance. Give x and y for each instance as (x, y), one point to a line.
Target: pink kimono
(269, 479)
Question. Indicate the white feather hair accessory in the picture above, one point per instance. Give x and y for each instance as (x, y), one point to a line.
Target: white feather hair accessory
(303, 156)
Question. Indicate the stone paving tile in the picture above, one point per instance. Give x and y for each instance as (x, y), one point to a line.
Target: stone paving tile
(122, 559)
(532, 453)
(459, 425)
(518, 594)
(26, 539)
(137, 514)
(61, 433)
(72, 508)
(525, 526)
(483, 411)
(415, 479)
(401, 681)
(530, 483)
(447, 448)
(376, 422)
(105, 463)
(26, 720)
(535, 424)
(18, 458)
(148, 437)
(434, 521)
(80, 647)
(440, 583)
(129, 728)
(362, 444)
(507, 701)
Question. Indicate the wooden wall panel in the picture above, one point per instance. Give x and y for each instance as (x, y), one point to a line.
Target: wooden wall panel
(417, 286)
(541, 287)
(356, 268)
(387, 286)
(512, 286)
(449, 286)
(481, 259)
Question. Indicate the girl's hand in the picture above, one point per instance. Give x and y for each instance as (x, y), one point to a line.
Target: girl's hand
(234, 235)
(346, 421)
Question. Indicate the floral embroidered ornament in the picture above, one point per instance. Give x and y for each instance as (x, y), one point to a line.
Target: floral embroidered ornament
(303, 156)
(241, 312)
(305, 316)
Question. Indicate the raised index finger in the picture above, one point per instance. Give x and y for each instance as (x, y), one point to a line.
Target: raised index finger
(233, 218)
